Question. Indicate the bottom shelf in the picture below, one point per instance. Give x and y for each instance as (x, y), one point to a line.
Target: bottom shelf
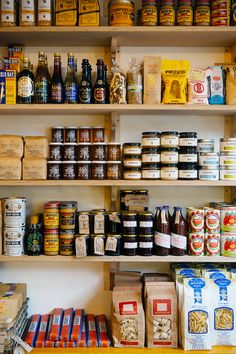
(215, 350)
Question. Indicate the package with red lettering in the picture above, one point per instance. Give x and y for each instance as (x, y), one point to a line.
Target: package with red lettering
(60, 344)
(71, 344)
(54, 334)
(49, 343)
(92, 341)
(67, 325)
(82, 343)
(102, 334)
(77, 325)
(42, 332)
(33, 330)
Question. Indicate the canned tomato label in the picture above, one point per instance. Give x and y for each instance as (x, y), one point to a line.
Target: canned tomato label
(212, 244)
(14, 212)
(228, 219)
(196, 244)
(121, 13)
(212, 220)
(13, 241)
(196, 220)
(51, 242)
(228, 244)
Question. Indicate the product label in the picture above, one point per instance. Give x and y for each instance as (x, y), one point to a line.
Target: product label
(151, 142)
(151, 158)
(99, 224)
(196, 242)
(208, 175)
(27, 17)
(99, 95)
(145, 244)
(167, 16)
(202, 16)
(188, 174)
(44, 5)
(151, 174)
(44, 16)
(167, 157)
(169, 174)
(212, 244)
(213, 220)
(85, 94)
(41, 91)
(179, 241)
(162, 240)
(146, 224)
(196, 221)
(132, 163)
(111, 244)
(25, 87)
(161, 307)
(99, 246)
(27, 5)
(80, 246)
(7, 18)
(185, 16)
(51, 219)
(71, 93)
(51, 244)
(188, 158)
(84, 224)
(128, 308)
(130, 245)
(7, 5)
(56, 93)
(129, 223)
(169, 141)
(188, 142)
(132, 151)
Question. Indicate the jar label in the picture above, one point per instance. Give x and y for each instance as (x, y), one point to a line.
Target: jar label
(179, 241)
(132, 175)
(188, 158)
(99, 246)
(151, 158)
(111, 244)
(185, 16)
(169, 175)
(151, 174)
(51, 244)
(202, 16)
(213, 220)
(130, 245)
(132, 151)
(188, 142)
(167, 16)
(25, 87)
(146, 224)
(129, 223)
(51, 219)
(80, 246)
(145, 244)
(151, 141)
(99, 224)
(132, 163)
(208, 175)
(188, 174)
(27, 4)
(168, 141)
(27, 17)
(169, 156)
(7, 18)
(84, 224)
(162, 240)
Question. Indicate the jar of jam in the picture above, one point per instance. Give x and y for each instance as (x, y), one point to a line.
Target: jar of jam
(132, 173)
(145, 223)
(83, 222)
(98, 222)
(178, 233)
(170, 156)
(145, 245)
(169, 172)
(82, 245)
(71, 135)
(124, 197)
(67, 215)
(67, 243)
(98, 135)
(151, 171)
(99, 170)
(167, 13)
(188, 139)
(97, 245)
(70, 152)
(132, 161)
(51, 215)
(51, 242)
(98, 152)
(84, 151)
(84, 135)
(68, 170)
(170, 139)
(202, 13)
(188, 154)
(57, 134)
(113, 245)
(114, 170)
(130, 245)
(113, 151)
(84, 170)
(129, 223)
(151, 155)
(55, 151)
(132, 149)
(185, 13)
(114, 225)
(162, 232)
(188, 171)
(150, 139)
(54, 170)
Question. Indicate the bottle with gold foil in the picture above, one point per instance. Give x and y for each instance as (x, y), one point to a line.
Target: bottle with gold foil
(185, 13)
(25, 84)
(44, 13)
(85, 87)
(100, 85)
(27, 13)
(167, 13)
(34, 237)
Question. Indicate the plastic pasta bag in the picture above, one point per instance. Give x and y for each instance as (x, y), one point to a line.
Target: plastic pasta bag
(134, 83)
(117, 85)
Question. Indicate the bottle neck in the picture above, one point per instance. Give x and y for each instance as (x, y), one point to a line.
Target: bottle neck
(86, 73)
(70, 66)
(57, 66)
(100, 72)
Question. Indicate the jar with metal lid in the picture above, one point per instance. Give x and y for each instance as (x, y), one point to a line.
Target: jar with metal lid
(84, 170)
(132, 149)
(98, 152)
(71, 135)
(205, 145)
(167, 13)
(150, 139)
(202, 13)
(169, 172)
(169, 156)
(113, 245)
(113, 151)
(83, 222)
(228, 158)
(227, 173)
(206, 173)
(145, 245)
(124, 196)
(170, 139)
(149, 15)
(54, 170)
(149, 2)
(132, 173)
(8, 13)
(151, 171)
(98, 135)
(67, 242)
(55, 151)
(121, 13)
(84, 151)
(188, 171)
(185, 13)
(68, 170)
(145, 223)
(130, 245)
(98, 221)
(228, 144)
(67, 215)
(51, 215)
(82, 245)
(114, 225)
(151, 155)
(84, 135)
(114, 170)
(70, 152)
(99, 170)
(51, 242)
(132, 161)
(129, 223)
(97, 245)
(208, 158)
(188, 154)
(188, 139)
(57, 134)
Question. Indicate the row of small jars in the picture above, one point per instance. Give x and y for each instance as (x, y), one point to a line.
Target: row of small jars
(77, 135)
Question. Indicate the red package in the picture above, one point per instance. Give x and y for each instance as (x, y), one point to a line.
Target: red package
(49, 343)
(71, 344)
(103, 339)
(54, 334)
(33, 330)
(41, 336)
(67, 325)
(82, 342)
(60, 344)
(77, 325)
(91, 332)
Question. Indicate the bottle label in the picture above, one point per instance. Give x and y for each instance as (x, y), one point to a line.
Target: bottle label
(162, 240)
(80, 246)
(7, 18)
(85, 95)
(99, 94)
(99, 246)
(71, 93)
(145, 244)
(111, 244)
(84, 224)
(129, 223)
(25, 87)
(146, 224)
(130, 245)
(56, 93)
(163, 217)
(44, 5)
(27, 5)
(179, 241)
(41, 91)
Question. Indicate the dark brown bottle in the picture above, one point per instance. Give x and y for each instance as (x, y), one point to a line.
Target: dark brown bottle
(178, 233)
(100, 86)
(41, 81)
(57, 88)
(162, 232)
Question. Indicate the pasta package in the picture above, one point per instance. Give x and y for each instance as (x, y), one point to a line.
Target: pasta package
(223, 305)
(175, 79)
(67, 325)
(152, 80)
(216, 79)
(56, 324)
(117, 85)
(102, 333)
(78, 321)
(197, 86)
(92, 341)
(33, 330)
(195, 324)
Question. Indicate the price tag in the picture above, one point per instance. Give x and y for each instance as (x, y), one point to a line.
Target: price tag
(111, 244)
(80, 246)
(99, 246)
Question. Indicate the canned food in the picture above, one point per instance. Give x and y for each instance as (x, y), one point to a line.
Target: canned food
(207, 174)
(150, 139)
(185, 13)
(51, 242)
(98, 135)
(70, 134)
(228, 244)
(69, 170)
(196, 244)
(169, 172)
(84, 135)
(202, 13)
(132, 149)
(54, 170)
(149, 15)
(57, 134)
(228, 219)
(121, 13)
(84, 151)
(114, 170)
(99, 170)
(132, 161)
(212, 220)
(170, 139)
(196, 220)
(132, 173)
(205, 145)
(51, 215)
(67, 215)
(212, 244)
(14, 212)
(70, 152)
(55, 151)
(228, 158)
(98, 152)
(84, 170)
(151, 155)
(167, 13)
(228, 144)
(13, 241)
(67, 243)
(113, 151)
(151, 171)
(97, 245)
(227, 173)
(170, 156)
(83, 222)
(206, 158)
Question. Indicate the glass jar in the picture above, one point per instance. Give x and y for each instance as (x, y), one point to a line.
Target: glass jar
(113, 245)
(169, 172)
(84, 170)
(145, 245)
(185, 13)
(51, 215)
(205, 145)
(99, 170)
(67, 215)
(145, 223)
(44, 13)
(83, 222)
(114, 170)
(132, 161)
(57, 134)
(113, 151)
(167, 13)
(170, 139)
(188, 139)
(70, 152)
(71, 135)
(132, 174)
(124, 196)
(132, 149)
(188, 154)
(69, 170)
(169, 156)
(149, 15)
(84, 135)
(202, 13)
(98, 222)
(188, 171)
(51, 242)
(98, 135)
(55, 151)
(84, 151)
(82, 245)
(114, 225)
(151, 171)
(67, 242)
(129, 223)
(54, 170)
(151, 155)
(130, 245)
(150, 139)
(98, 152)
(97, 245)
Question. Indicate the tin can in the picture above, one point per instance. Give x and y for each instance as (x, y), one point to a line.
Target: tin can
(196, 220)
(228, 219)
(205, 145)
(70, 152)
(57, 134)
(228, 158)
(167, 13)
(69, 170)
(54, 170)
(121, 13)
(202, 13)
(220, 13)
(13, 241)
(67, 243)
(212, 244)
(149, 15)
(70, 134)
(51, 242)
(207, 174)
(51, 215)
(84, 151)
(98, 135)
(196, 244)
(55, 151)
(228, 244)
(228, 173)
(206, 158)
(67, 215)
(212, 220)
(84, 135)
(185, 13)
(228, 144)
(14, 212)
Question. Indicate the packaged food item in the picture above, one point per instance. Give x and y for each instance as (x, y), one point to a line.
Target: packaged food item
(152, 80)
(149, 15)
(121, 13)
(33, 329)
(216, 79)
(117, 85)
(56, 324)
(91, 331)
(202, 13)
(89, 13)
(12, 297)
(78, 321)
(228, 218)
(167, 13)
(36, 146)
(59, 344)
(82, 341)
(228, 244)
(66, 325)
(41, 335)
(10, 168)
(134, 83)
(49, 343)
(197, 86)
(34, 169)
(10, 87)
(102, 333)
(44, 13)
(11, 145)
(175, 78)
(212, 220)
(27, 13)
(8, 13)
(230, 87)
(185, 13)
(66, 12)
(196, 244)
(196, 219)
(212, 244)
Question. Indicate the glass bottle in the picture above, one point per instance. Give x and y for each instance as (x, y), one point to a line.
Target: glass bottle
(70, 85)
(41, 81)
(106, 83)
(25, 84)
(46, 68)
(57, 86)
(178, 233)
(34, 238)
(162, 232)
(85, 88)
(100, 86)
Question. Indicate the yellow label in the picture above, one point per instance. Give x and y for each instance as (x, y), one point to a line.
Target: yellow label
(89, 13)
(167, 16)
(149, 14)
(51, 219)
(66, 13)
(51, 244)
(121, 15)
(10, 87)
(185, 16)
(202, 15)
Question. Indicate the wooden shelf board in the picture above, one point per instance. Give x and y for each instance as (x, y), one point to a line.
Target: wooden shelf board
(126, 36)
(109, 259)
(126, 109)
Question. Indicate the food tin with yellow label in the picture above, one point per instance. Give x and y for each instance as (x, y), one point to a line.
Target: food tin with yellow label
(121, 13)
(51, 242)
(149, 15)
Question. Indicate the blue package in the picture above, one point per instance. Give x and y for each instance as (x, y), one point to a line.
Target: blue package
(216, 79)
(2, 86)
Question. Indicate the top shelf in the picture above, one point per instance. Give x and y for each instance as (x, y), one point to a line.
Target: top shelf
(126, 36)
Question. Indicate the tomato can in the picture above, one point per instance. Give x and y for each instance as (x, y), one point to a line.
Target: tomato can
(51, 242)
(67, 243)
(14, 212)
(51, 215)
(121, 13)
(212, 220)
(67, 215)
(212, 244)
(13, 241)
(220, 13)
(228, 244)
(196, 244)
(228, 219)
(196, 220)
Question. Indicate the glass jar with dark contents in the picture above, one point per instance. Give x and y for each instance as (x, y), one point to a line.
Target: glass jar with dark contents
(124, 196)
(54, 170)
(57, 134)
(70, 152)
(97, 245)
(98, 222)
(114, 170)
(84, 170)
(98, 134)
(130, 245)
(98, 152)
(188, 171)
(113, 151)
(113, 245)
(83, 222)
(114, 225)
(145, 223)
(70, 134)
(129, 223)
(55, 151)
(162, 232)
(84, 135)
(178, 233)
(99, 170)
(84, 151)
(69, 170)
(145, 245)
(82, 245)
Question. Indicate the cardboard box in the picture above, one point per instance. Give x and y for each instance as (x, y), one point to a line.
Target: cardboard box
(10, 168)
(89, 13)
(66, 12)
(16, 51)
(10, 87)
(2, 86)
(34, 169)
(12, 297)
(36, 147)
(152, 80)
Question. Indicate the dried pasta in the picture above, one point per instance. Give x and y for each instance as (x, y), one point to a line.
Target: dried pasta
(198, 322)
(224, 318)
